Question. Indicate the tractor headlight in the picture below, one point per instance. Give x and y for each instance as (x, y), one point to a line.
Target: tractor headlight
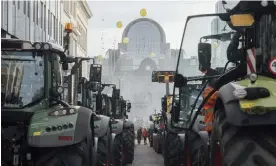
(46, 46)
(63, 112)
(240, 93)
(253, 77)
(37, 46)
(264, 3)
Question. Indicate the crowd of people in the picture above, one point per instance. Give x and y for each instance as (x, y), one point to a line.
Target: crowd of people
(143, 133)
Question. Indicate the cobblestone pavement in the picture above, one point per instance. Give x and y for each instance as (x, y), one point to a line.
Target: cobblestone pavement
(146, 156)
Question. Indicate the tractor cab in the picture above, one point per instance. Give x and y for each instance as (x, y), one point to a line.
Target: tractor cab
(31, 76)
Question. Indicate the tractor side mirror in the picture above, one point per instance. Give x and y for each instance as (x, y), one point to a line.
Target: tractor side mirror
(65, 66)
(95, 74)
(180, 81)
(204, 56)
(176, 111)
(150, 118)
(163, 103)
(129, 106)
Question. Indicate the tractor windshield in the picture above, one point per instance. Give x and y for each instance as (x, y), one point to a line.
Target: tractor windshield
(203, 29)
(22, 78)
(266, 44)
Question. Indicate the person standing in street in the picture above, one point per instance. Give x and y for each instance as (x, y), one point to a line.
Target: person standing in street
(139, 135)
(145, 135)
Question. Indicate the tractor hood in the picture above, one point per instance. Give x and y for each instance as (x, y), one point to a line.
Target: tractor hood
(108, 90)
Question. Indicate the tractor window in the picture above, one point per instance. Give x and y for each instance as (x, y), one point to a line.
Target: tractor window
(22, 78)
(266, 43)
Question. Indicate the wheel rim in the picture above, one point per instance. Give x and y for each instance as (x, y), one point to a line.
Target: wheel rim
(218, 161)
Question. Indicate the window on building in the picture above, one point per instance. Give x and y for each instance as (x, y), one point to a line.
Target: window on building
(24, 7)
(29, 8)
(37, 8)
(61, 34)
(13, 2)
(34, 11)
(18, 4)
(49, 22)
(66, 6)
(41, 14)
(44, 18)
(57, 30)
(54, 27)
(85, 41)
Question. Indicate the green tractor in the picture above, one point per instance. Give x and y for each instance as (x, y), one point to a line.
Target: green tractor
(244, 110)
(117, 109)
(156, 140)
(38, 127)
(84, 90)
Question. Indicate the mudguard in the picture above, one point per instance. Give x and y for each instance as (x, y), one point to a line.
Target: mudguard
(235, 115)
(117, 126)
(199, 124)
(38, 136)
(204, 136)
(101, 124)
(128, 124)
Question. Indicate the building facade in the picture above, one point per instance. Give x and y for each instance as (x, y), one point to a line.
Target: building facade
(44, 20)
(32, 20)
(78, 13)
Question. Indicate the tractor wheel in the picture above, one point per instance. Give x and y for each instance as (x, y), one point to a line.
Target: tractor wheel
(195, 150)
(241, 146)
(103, 152)
(128, 144)
(159, 144)
(173, 146)
(118, 150)
(64, 156)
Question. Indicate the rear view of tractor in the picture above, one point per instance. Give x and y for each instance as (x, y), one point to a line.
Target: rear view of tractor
(38, 127)
(240, 102)
(108, 102)
(158, 130)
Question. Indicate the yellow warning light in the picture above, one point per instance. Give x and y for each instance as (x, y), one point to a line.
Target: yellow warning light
(242, 20)
(68, 27)
(214, 44)
(143, 12)
(125, 40)
(152, 54)
(119, 24)
(37, 133)
(99, 57)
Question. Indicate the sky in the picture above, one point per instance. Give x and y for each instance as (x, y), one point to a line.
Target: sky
(171, 15)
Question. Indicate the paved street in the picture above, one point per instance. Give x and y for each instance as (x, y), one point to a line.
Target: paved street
(146, 156)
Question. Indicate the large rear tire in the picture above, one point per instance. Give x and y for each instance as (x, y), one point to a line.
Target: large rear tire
(172, 149)
(196, 150)
(128, 143)
(118, 150)
(65, 156)
(103, 152)
(240, 146)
